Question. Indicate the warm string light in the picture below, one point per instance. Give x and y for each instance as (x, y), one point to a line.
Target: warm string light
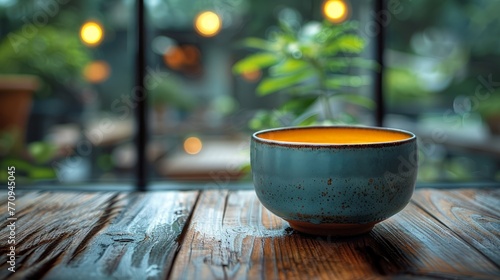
(96, 71)
(185, 57)
(91, 33)
(335, 11)
(207, 24)
(193, 145)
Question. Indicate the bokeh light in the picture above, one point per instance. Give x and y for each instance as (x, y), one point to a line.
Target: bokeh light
(191, 54)
(96, 71)
(252, 75)
(192, 145)
(185, 57)
(335, 11)
(91, 33)
(207, 24)
(174, 58)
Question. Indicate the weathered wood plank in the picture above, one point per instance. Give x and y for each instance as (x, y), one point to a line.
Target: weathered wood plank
(47, 225)
(4, 196)
(232, 236)
(466, 213)
(450, 234)
(485, 199)
(97, 235)
(426, 247)
(239, 239)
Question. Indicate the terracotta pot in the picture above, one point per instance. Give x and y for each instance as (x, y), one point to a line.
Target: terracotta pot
(16, 92)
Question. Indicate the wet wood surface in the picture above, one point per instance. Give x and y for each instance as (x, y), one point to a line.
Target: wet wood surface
(228, 234)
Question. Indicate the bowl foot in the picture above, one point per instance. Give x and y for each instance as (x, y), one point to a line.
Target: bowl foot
(331, 229)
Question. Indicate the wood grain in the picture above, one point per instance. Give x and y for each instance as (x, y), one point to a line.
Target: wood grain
(239, 239)
(96, 235)
(231, 236)
(471, 215)
(222, 234)
(426, 247)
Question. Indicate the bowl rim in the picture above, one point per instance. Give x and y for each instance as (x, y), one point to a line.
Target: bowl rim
(255, 137)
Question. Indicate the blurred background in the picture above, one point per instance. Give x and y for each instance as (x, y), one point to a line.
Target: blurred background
(219, 70)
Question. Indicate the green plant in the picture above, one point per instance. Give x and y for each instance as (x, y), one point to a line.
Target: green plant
(311, 66)
(170, 92)
(56, 56)
(402, 87)
(30, 163)
(489, 107)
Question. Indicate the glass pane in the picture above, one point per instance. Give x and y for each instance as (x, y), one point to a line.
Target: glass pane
(65, 74)
(441, 82)
(229, 68)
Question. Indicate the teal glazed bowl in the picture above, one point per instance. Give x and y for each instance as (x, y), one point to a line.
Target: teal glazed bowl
(334, 180)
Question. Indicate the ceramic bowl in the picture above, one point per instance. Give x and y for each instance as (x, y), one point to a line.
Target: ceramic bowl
(334, 180)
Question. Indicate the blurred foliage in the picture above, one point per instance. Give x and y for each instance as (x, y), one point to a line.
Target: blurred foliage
(171, 92)
(490, 106)
(403, 86)
(31, 163)
(472, 21)
(458, 168)
(26, 172)
(56, 56)
(489, 109)
(451, 44)
(40, 38)
(39, 152)
(311, 65)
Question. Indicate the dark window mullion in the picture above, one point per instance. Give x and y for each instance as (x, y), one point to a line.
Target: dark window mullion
(379, 7)
(140, 98)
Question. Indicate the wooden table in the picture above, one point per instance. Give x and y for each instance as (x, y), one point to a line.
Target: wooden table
(220, 234)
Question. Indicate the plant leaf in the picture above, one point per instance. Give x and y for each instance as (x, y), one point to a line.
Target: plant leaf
(340, 63)
(346, 80)
(304, 90)
(256, 43)
(255, 62)
(287, 30)
(309, 121)
(260, 120)
(298, 105)
(348, 43)
(331, 31)
(269, 119)
(288, 66)
(351, 43)
(274, 84)
(41, 151)
(37, 173)
(355, 99)
(308, 118)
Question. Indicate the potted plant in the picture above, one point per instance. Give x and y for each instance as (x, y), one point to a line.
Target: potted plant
(29, 161)
(43, 64)
(56, 56)
(15, 102)
(312, 67)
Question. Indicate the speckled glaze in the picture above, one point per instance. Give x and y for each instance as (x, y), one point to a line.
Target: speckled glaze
(330, 189)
